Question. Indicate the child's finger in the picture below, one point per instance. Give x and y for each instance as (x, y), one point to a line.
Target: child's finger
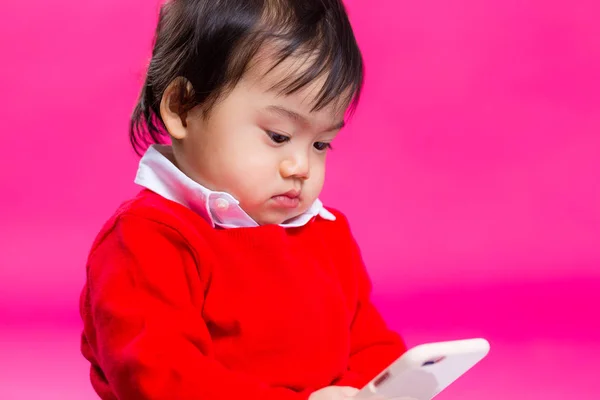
(348, 391)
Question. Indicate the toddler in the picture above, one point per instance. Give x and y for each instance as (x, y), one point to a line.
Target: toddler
(226, 277)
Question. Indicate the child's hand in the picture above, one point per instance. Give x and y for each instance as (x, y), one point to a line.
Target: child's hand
(334, 393)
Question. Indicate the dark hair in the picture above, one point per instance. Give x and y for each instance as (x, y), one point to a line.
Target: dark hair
(210, 43)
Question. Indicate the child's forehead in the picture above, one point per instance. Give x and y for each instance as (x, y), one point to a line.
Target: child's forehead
(268, 69)
(269, 74)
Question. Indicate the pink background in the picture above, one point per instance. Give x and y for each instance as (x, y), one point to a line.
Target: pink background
(470, 172)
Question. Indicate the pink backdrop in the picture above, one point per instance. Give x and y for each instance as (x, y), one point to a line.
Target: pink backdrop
(470, 172)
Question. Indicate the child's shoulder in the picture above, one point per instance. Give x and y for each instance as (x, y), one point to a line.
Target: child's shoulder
(148, 209)
(338, 228)
(151, 206)
(339, 216)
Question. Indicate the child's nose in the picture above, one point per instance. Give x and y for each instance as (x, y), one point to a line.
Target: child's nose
(295, 167)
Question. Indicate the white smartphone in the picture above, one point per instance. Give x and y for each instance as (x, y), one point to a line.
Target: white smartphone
(424, 371)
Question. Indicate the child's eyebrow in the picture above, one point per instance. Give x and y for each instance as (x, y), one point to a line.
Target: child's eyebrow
(297, 117)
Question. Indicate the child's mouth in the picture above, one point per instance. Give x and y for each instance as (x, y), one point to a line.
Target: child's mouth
(289, 199)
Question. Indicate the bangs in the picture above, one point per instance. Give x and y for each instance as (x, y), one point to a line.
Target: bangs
(338, 82)
(321, 52)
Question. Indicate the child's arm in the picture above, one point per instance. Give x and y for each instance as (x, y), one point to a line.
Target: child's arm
(142, 315)
(373, 345)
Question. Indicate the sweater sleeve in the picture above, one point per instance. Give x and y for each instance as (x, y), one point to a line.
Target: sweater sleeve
(373, 345)
(145, 300)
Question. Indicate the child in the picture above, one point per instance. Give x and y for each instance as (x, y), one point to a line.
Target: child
(225, 277)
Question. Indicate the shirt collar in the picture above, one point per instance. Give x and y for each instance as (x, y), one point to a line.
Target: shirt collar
(157, 173)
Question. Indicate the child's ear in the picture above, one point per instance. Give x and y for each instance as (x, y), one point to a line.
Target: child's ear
(173, 109)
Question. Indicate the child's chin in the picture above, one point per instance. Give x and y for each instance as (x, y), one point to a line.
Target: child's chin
(276, 218)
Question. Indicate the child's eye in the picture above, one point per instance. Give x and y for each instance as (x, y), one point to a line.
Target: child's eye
(322, 146)
(277, 138)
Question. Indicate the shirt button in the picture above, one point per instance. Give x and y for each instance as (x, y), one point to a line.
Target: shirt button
(222, 204)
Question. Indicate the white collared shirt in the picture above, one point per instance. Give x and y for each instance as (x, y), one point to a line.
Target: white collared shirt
(157, 173)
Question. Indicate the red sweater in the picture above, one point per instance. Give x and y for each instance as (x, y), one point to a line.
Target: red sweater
(175, 309)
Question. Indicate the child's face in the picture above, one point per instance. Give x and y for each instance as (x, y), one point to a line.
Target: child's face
(265, 149)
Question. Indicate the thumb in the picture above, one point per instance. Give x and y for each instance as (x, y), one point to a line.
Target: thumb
(348, 391)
